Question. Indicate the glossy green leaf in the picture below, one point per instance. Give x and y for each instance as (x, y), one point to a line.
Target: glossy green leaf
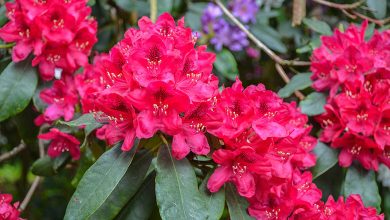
(237, 204)
(326, 159)
(143, 203)
(318, 26)
(177, 191)
(3, 17)
(378, 8)
(126, 188)
(127, 5)
(99, 182)
(270, 37)
(47, 166)
(362, 182)
(86, 119)
(386, 201)
(215, 202)
(226, 64)
(313, 104)
(298, 82)
(17, 85)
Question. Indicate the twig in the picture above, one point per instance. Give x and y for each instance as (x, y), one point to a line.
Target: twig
(13, 152)
(285, 78)
(258, 43)
(37, 179)
(153, 10)
(340, 6)
(376, 21)
(30, 193)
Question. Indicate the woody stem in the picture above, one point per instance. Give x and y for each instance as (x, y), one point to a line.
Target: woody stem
(153, 10)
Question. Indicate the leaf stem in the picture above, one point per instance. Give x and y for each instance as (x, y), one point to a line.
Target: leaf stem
(153, 10)
(258, 43)
(6, 46)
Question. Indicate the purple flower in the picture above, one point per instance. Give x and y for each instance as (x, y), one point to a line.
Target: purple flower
(223, 33)
(245, 10)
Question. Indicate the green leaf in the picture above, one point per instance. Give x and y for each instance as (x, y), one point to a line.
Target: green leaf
(102, 180)
(126, 188)
(369, 31)
(378, 8)
(215, 202)
(164, 6)
(362, 182)
(127, 5)
(17, 85)
(270, 37)
(326, 159)
(177, 191)
(237, 204)
(3, 17)
(313, 104)
(318, 26)
(226, 64)
(87, 119)
(298, 82)
(143, 203)
(386, 201)
(47, 166)
(43, 167)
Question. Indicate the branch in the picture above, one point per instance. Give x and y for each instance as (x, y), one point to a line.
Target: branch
(340, 6)
(376, 21)
(30, 193)
(37, 179)
(287, 80)
(13, 152)
(153, 10)
(258, 43)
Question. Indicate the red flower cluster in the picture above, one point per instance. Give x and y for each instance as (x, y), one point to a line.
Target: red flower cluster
(357, 117)
(8, 211)
(61, 142)
(58, 32)
(352, 208)
(155, 80)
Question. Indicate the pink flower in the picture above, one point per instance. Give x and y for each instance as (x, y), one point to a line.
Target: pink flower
(61, 98)
(356, 147)
(61, 142)
(238, 166)
(8, 211)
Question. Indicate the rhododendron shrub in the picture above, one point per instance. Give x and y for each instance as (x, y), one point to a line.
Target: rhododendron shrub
(356, 73)
(142, 126)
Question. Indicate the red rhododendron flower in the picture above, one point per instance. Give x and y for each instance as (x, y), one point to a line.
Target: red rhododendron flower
(61, 142)
(59, 33)
(61, 99)
(8, 211)
(356, 115)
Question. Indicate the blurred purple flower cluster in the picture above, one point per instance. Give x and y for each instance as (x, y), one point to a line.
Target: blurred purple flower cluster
(223, 33)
